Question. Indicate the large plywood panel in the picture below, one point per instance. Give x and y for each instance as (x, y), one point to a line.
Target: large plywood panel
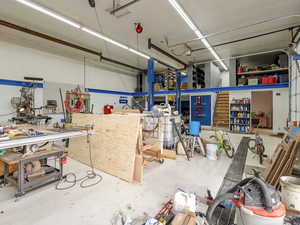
(113, 144)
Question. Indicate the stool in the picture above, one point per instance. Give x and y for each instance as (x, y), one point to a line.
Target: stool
(196, 143)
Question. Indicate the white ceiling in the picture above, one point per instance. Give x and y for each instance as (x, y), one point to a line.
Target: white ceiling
(160, 21)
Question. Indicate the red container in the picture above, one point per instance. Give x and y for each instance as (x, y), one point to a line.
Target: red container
(272, 80)
(269, 80)
(265, 80)
(240, 69)
(108, 109)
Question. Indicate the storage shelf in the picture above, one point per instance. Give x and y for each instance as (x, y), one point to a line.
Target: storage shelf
(240, 118)
(239, 103)
(241, 124)
(240, 111)
(263, 72)
(236, 132)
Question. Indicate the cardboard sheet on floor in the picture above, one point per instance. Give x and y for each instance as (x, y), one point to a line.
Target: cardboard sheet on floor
(114, 144)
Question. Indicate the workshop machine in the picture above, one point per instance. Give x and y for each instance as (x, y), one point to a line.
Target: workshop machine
(256, 202)
(76, 102)
(32, 150)
(163, 114)
(25, 104)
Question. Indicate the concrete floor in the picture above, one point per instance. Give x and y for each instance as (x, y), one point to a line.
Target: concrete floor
(97, 205)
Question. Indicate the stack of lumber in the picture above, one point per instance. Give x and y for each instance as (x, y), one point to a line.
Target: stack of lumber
(283, 159)
(117, 145)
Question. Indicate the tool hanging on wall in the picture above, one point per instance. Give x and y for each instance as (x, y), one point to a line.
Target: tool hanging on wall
(76, 102)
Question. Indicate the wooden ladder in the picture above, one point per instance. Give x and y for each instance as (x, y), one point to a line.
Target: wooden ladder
(221, 113)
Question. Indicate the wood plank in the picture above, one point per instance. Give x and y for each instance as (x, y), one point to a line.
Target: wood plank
(113, 145)
(138, 169)
(167, 154)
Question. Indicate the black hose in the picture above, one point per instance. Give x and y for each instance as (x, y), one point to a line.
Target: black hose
(229, 195)
(218, 200)
(267, 196)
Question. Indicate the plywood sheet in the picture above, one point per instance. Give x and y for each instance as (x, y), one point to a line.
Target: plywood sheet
(113, 145)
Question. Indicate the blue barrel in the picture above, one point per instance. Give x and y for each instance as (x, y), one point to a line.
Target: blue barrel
(195, 128)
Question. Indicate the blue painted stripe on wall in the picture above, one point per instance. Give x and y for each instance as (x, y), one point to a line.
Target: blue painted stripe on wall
(240, 88)
(173, 92)
(91, 90)
(19, 83)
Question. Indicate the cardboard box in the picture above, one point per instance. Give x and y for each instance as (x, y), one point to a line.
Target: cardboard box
(252, 81)
(181, 219)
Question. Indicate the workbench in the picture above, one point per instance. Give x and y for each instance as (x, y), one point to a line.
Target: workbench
(51, 174)
(23, 184)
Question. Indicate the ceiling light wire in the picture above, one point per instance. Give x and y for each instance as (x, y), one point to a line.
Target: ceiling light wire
(101, 30)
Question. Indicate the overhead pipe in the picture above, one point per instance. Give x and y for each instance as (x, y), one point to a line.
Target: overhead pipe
(248, 38)
(65, 43)
(242, 56)
(123, 6)
(151, 45)
(294, 36)
(237, 29)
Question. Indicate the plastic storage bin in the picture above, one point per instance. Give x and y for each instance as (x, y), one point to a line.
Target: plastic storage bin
(252, 81)
(195, 128)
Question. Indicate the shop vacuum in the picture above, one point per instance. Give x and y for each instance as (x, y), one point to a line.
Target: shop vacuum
(256, 203)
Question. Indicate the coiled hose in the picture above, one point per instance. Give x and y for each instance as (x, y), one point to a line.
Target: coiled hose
(229, 195)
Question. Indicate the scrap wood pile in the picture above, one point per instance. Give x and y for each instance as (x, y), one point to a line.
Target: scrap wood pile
(283, 159)
(117, 145)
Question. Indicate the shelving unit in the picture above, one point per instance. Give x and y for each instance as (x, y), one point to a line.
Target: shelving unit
(239, 117)
(270, 68)
(263, 72)
(198, 77)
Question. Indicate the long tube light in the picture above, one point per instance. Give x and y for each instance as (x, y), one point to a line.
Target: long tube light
(49, 12)
(194, 28)
(98, 35)
(78, 26)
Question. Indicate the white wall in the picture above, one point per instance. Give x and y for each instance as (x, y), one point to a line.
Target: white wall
(280, 109)
(215, 76)
(295, 90)
(225, 81)
(18, 61)
(280, 106)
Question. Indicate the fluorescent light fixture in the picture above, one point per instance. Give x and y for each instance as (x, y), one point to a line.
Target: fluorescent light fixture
(77, 25)
(199, 34)
(139, 53)
(98, 35)
(49, 12)
(190, 23)
(184, 15)
(206, 44)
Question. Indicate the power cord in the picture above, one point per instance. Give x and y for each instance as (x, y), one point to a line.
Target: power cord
(71, 178)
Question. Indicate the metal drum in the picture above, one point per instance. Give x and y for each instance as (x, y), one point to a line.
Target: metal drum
(170, 137)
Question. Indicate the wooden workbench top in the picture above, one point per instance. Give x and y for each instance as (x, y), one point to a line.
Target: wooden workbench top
(14, 157)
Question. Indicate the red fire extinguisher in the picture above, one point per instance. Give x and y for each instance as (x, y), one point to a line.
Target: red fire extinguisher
(108, 109)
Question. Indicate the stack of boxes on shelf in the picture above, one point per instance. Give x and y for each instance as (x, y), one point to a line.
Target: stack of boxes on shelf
(258, 76)
(275, 71)
(240, 120)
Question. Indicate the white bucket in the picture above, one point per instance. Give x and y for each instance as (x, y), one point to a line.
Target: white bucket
(290, 191)
(212, 151)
